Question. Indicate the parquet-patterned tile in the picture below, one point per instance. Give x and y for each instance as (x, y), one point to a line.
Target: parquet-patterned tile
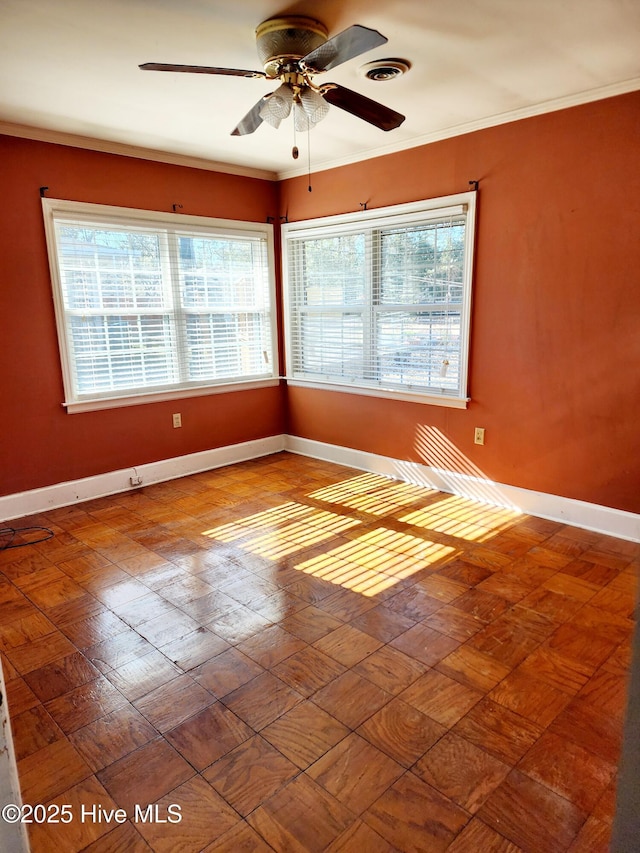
(32, 730)
(471, 699)
(25, 630)
(173, 703)
(209, 734)
(204, 816)
(455, 623)
(355, 772)
(563, 673)
(111, 737)
(594, 837)
(40, 652)
(250, 774)
(142, 675)
(262, 700)
(585, 725)
(390, 669)
(568, 769)
(76, 834)
(531, 815)
(271, 646)
(498, 730)
(93, 629)
(424, 643)
(530, 697)
(607, 692)
(50, 771)
(440, 697)
(226, 672)
(84, 704)
(382, 623)
(61, 676)
(461, 771)
(308, 670)
(347, 645)
(473, 668)
(477, 836)
(305, 733)
(359, 837)
(147, 774)
(401, 731)
(19, 695)
(123, 839)
(310, 623)
(240, 839)
(414, 817)
(118, 651)
(301, 816)
(351, 698)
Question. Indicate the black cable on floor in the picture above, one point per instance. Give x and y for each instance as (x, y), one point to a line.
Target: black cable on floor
(12, 532)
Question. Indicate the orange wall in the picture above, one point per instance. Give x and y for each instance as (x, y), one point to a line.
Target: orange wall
(555, 355)
(555, 339)
(39, 443)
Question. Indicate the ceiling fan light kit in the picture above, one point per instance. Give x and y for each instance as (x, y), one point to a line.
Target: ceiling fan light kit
(293, 50)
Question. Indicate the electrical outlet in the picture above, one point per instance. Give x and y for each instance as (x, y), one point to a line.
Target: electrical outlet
(478, 435)
(177, 420)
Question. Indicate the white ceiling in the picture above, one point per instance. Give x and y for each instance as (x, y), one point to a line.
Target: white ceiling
(71, 67)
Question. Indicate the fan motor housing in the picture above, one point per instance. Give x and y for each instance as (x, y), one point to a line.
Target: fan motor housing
(281, 40)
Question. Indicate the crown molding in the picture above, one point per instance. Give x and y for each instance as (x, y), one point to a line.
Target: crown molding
(574, 100)
(111, 147)
(58, 137)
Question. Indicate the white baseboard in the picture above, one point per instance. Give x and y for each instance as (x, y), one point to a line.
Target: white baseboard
(114, 482)
(600, 519)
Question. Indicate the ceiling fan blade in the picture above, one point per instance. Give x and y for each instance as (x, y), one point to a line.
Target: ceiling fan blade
(364, 108)
(200, 69)
(252, 120)
(346, 45)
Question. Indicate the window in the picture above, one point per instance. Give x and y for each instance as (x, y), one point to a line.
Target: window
(379, 302)
(151, 306)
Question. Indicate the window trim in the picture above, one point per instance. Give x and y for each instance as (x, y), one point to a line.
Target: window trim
(378, 218)
(121, 216)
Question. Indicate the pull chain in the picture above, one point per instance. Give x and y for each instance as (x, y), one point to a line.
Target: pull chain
(294, 151)
(310, 188)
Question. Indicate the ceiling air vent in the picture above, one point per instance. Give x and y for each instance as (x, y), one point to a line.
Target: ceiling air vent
(381, 70)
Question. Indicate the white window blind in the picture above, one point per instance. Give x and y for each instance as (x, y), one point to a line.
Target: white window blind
(380, 301)
(151, 303)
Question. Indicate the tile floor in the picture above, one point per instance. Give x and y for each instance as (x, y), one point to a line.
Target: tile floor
(303, 657)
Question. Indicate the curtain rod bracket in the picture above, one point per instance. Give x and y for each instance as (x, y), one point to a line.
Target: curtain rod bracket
(363, 204)
(474, 184)
(43, 191)
(176, 206)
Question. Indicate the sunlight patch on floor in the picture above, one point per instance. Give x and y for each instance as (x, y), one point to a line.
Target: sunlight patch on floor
(371, 493)
(366, 559)
(367, 568)
(282, 531)
(462, 518)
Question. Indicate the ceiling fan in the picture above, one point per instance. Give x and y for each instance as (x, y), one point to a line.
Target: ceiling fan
(293, 50)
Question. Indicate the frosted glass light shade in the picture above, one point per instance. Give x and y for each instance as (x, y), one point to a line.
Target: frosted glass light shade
(277, 106)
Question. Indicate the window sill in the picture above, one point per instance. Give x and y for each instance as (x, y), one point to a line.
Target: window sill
(386, 393)
(162, 396)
